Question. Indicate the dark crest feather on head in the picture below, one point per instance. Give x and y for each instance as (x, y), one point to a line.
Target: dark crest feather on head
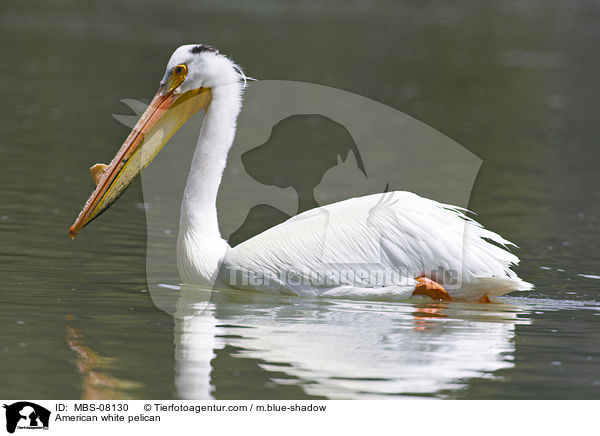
(202, 48)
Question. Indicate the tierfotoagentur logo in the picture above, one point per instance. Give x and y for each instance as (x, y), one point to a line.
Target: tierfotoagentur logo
(302, 147)
(26, 415)
(272, 194)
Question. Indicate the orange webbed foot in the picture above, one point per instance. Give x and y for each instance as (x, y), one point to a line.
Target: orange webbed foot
(431, 289)
(485, 299)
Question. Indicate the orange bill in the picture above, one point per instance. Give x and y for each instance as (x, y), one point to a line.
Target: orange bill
(167, 112)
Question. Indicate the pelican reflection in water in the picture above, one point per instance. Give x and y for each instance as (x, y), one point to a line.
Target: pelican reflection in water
(337, 348)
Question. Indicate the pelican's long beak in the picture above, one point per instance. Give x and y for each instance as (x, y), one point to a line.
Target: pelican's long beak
(167, 112)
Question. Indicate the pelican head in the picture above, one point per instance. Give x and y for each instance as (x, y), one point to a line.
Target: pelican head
(192, 73)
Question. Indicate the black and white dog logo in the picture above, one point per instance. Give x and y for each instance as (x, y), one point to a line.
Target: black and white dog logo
(26, 415)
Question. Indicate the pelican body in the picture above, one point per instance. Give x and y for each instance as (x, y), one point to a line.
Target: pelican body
(388, 245)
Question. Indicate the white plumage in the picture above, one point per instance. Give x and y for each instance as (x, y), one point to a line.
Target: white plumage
(368, 247)
(375, 246)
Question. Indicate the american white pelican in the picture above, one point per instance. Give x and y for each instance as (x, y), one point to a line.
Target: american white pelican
(388, 245)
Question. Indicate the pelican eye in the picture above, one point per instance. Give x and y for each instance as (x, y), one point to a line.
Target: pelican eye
(178, 76)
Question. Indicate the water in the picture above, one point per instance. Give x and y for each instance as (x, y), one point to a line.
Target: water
(511, 81)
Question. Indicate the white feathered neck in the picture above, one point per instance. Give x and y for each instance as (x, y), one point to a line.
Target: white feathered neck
(200, 247)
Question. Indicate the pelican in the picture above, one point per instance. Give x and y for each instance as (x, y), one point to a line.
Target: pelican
(388, 245)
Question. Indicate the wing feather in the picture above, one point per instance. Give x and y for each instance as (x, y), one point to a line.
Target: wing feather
(377, 241)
